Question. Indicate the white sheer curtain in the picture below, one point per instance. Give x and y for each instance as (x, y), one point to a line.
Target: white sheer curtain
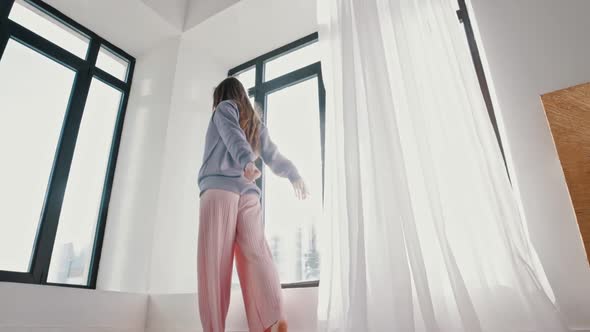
(422, 229)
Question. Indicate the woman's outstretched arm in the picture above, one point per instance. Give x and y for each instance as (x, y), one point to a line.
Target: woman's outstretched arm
(278, 163)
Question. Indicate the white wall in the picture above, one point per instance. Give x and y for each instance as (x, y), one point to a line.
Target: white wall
(173, 266)
(206, 53)
(33, 308)
(533, 47)
(126, 253)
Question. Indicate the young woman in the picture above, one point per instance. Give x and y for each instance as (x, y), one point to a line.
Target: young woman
(230, 216)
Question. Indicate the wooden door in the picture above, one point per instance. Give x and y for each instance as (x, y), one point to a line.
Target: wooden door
(568, 112)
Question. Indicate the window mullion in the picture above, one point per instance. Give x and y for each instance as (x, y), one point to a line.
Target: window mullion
(93, 49)
(322, 101)
(292, 78)
(259, 94)
(109, 178)
(61, 168)
(109, 79)
(59, 175)
(260, 98)
(43, 45)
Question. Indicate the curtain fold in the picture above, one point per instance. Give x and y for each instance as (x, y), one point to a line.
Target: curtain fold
(422, 230)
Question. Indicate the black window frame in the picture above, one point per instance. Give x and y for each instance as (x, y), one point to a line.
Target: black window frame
(85, 70)
(263, 88)
(465, 19)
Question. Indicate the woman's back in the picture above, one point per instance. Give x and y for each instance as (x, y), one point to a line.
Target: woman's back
(227, 152)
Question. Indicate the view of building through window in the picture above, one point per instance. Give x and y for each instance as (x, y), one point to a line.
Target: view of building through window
(290, 223)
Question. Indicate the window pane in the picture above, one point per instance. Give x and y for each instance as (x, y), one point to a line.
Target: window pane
(112, 63)
(247, 77)
(290, 223)
(49, 28)
(291, 61)
(34, 96)
(74, 242)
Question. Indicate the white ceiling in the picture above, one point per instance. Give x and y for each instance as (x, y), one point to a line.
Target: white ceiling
(253, 27)
(200, 10)
(138, 25)
(128, 24)
(185, 14)
(172, 11)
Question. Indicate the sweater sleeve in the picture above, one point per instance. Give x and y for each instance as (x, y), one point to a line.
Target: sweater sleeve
(271, 156)
(227, 121)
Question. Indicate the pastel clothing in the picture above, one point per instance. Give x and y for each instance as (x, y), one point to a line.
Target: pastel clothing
(227, 152)
(232, 224)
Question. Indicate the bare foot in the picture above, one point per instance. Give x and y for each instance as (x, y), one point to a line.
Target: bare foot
(280, 326)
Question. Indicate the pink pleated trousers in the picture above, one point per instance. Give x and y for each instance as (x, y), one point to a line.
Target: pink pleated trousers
(230, 223)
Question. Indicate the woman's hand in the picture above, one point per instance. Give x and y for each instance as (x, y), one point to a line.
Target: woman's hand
(300, 189)
(251, 172)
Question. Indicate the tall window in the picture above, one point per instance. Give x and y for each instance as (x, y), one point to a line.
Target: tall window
(63, 93)
(287, 86)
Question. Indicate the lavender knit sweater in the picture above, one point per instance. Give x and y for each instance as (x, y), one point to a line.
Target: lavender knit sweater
(227, 152)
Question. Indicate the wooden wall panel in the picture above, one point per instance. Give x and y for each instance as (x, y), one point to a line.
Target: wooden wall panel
(568, 112)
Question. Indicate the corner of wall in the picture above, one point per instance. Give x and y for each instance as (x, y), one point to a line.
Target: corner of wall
(124, 264)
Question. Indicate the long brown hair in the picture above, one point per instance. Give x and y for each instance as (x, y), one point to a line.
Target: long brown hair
(232, 89)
